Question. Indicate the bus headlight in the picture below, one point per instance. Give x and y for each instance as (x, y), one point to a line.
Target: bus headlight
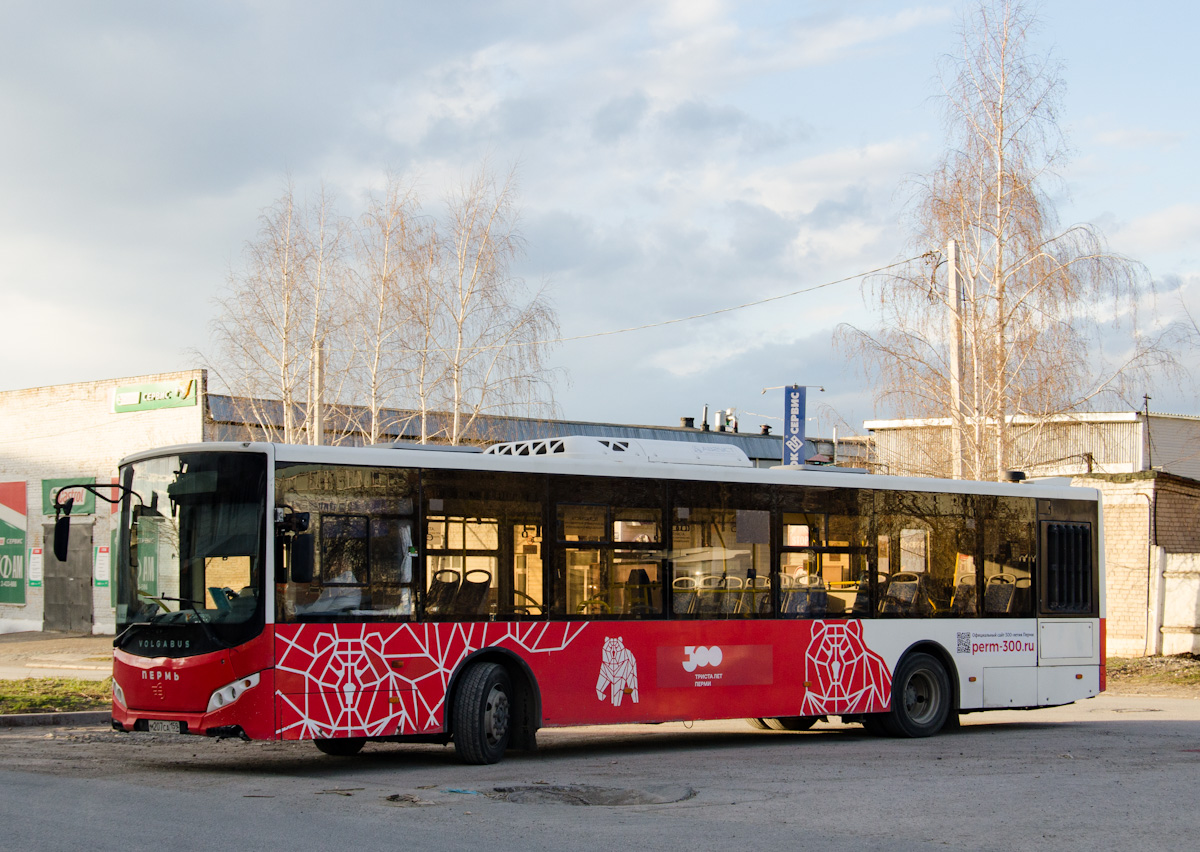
(231, 692)
(119, 695)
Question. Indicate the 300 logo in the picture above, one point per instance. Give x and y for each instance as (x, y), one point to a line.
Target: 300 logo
(699, 656)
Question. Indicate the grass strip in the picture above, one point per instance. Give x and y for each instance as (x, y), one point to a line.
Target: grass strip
(54, 695)
(1180, 670)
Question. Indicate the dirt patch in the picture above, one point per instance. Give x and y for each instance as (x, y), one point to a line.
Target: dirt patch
(1174, 677)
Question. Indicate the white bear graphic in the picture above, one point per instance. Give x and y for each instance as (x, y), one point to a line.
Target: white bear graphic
(618, 672)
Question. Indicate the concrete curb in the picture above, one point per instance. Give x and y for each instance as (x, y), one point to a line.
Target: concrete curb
(86, 718)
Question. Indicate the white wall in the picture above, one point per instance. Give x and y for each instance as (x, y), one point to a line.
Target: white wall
(72, 431)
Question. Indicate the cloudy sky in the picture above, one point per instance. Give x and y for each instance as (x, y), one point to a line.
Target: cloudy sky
(674, 158)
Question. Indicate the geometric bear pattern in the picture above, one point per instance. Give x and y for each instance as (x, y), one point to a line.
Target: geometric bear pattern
(368, 680)
(841, 673)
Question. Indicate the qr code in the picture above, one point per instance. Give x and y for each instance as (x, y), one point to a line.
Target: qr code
(964, 643)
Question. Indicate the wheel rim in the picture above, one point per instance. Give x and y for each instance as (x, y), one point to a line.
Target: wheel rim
(922, 697)
(495, 715)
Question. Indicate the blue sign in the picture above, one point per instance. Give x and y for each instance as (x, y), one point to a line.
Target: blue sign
(793, 425)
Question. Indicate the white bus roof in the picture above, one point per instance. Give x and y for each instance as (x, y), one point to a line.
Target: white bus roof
(580, 456)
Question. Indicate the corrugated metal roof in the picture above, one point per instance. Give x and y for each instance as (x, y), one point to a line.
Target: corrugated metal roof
(403, 425)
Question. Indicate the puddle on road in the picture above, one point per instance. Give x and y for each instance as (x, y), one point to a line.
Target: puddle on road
(582, 794)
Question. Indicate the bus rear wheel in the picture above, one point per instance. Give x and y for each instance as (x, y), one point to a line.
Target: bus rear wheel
(483, 714)
(921, 697)
(345, 747)
(785, 723)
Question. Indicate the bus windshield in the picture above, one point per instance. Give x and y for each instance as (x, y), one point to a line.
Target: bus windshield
(189, 567)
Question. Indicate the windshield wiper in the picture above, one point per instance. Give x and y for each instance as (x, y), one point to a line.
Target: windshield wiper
(127, 633)
(208, 631)
(188, 601)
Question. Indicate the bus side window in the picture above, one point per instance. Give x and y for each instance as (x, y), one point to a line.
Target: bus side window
(612, 559)
(920, 540)
(1008, 555)
(462, 558)
(484, 549)
(362, 526)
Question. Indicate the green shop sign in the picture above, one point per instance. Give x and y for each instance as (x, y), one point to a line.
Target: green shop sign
(12, 542)
(85, 501)
(157, 395)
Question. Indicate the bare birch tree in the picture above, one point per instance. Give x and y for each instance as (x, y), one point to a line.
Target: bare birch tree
(325, 279)
(387, 253)
(412, 319)
(1025, 338)
(260, 329)
(277, 317)
(495, 347)
(426, 368)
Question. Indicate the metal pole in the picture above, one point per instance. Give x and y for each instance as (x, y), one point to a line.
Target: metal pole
(317, 432)
(954, 302)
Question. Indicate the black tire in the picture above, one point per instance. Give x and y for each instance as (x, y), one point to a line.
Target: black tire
(785, 723)
(483, 714)
(875, 724)
(792, 723)
(921, 697)
(345, 747)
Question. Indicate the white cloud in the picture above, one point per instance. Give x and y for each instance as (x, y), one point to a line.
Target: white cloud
(1138, 138)
(675, 157)
(1171, 229)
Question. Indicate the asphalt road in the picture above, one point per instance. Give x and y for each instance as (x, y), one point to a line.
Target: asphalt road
(1116, 772)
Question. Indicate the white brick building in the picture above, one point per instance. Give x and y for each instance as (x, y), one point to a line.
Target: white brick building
(77, 432)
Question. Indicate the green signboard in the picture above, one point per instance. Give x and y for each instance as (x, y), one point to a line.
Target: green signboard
(156, 395)
(85, 501)
(12, 542)
(101, 566)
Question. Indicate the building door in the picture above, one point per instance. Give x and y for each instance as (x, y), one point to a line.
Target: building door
(68, 585)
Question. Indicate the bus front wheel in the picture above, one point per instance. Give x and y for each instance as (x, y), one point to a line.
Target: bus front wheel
(345, 747)
(483, 714)
(921, 697)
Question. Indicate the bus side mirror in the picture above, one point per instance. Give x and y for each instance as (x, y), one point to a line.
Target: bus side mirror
(300, 558)
(62, 530)
(62, 535)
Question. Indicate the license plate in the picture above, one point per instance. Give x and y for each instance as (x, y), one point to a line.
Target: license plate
(157, 726)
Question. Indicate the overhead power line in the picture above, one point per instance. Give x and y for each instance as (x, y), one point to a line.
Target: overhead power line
(678, 320)
(723, 310)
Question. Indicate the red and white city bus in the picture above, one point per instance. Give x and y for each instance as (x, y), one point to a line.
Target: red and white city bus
(343, 595)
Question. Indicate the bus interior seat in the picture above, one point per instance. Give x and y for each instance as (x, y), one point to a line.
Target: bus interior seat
(443, 588)
(732, 593)
(1022, 603)
(758, 595)
(472, 595)
(708, 596)
(639, 593)
(901, 595)
(862, 595)
(683, 592)
(999, 593)
(963, 600)
(806, 594)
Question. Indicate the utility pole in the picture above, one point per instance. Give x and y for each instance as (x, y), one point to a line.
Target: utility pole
(954, 302)
(316, 435)
(1149, 443)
